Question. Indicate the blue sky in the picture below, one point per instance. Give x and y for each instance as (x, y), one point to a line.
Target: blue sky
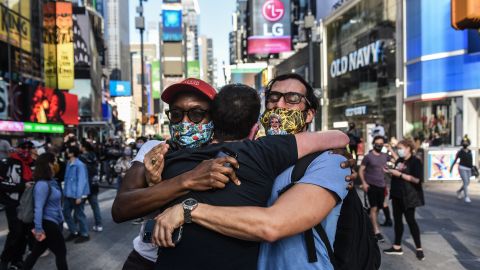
(215, 22)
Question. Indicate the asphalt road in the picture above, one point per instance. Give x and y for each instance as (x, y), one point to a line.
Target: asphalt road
(450, 236)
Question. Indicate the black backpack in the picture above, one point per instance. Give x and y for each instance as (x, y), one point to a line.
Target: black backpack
(355, 243)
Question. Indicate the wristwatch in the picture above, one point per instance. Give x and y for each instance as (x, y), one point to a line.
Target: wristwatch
(188, 206)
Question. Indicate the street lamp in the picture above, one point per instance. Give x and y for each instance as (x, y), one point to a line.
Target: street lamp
(140, 25)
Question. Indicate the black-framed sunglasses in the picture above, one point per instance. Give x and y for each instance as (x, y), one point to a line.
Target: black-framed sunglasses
(289, 97)
(195, 115)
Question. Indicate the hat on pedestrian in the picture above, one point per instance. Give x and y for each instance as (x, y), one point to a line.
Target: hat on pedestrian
(188, 85)
(24, 143)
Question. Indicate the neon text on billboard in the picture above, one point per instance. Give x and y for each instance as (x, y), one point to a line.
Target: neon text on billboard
(356, 59)
(27, 127)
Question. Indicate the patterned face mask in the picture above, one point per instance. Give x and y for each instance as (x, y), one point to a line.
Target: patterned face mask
(191, 135)
(280, 121)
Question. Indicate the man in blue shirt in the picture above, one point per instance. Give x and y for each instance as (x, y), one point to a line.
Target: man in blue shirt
(316, 198)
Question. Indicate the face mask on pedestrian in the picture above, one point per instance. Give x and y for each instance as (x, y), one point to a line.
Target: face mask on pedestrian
(465, 145)
(378, 147)
(191, 135)
(401, 153)
(139, 145)
(293, 121)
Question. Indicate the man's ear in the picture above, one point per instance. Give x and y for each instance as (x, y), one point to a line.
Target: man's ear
(310, 116)
(253, 132)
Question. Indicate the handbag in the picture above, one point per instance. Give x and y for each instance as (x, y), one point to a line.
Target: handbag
(475, 171)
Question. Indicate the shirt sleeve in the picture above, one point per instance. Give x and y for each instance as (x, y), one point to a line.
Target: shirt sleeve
(40, 193)
(365, 160)
(146, 147)
(325, 172)
(417, 169)
(277, 153)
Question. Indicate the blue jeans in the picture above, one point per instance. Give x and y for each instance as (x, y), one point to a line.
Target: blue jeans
(78, 216)
(93, 201)
(465, 174)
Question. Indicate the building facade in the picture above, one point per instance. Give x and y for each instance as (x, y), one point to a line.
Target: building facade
(118, 39)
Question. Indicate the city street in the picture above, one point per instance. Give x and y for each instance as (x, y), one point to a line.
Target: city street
(450, 236)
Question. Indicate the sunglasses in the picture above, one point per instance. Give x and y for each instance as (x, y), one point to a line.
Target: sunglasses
(195, 115)
(289, 97)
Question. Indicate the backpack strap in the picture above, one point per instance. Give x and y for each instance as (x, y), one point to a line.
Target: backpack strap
(323, 235)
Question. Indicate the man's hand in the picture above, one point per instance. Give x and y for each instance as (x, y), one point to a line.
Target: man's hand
(365, 187)
(154, 161)
(78, 201)
(212, 174)
(40, 236)
(165, 224)
(350, 163)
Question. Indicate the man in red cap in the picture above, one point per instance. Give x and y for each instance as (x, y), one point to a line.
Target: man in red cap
(190, 127)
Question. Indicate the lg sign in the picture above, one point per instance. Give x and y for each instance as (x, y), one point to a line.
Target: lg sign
(273, 10)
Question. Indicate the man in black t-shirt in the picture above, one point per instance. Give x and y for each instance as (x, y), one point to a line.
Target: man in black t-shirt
(259, 162)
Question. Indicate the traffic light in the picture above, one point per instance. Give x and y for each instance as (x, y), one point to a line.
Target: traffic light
(465, 14)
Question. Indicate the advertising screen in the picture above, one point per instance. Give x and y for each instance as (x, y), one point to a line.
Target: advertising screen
(3, 100)
(172, 25)
(440, 163)
(120, 88)
(65, 62)
(50, 105)
(155, 79)
(270, 27)
(193, 69)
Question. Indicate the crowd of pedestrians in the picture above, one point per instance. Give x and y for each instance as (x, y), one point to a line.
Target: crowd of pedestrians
(64, 177)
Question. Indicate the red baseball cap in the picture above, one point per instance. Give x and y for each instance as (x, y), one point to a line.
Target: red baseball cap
(189, 84)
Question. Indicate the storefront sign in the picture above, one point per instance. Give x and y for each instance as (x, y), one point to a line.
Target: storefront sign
(3, 100)
(361, 110)
(271, 27)
(357, 59)
(15, 28)
(42, 128)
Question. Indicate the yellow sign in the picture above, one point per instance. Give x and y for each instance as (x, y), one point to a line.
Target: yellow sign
(15, 29)
(49, 46)
(65, 61)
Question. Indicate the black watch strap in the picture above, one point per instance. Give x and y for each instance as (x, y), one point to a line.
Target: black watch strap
(187, 215)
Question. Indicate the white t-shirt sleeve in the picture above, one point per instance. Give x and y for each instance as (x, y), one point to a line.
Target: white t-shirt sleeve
(146, 147)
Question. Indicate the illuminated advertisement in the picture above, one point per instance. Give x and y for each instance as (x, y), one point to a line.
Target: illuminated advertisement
(270, 27)
(50, 105)
(156, 79)
(10, 126)
(120, 88)
(3, 100)
(65, 62)
(193, 69)
(172, 1)
(440, 163)
(17, 33)
(172, 25)
(49, 47)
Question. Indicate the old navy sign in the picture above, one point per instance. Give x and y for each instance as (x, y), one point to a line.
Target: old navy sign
(357, 59)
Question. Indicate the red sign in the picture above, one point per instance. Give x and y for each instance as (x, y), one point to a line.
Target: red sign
(273, 10)
(53, 106)
(264, 45)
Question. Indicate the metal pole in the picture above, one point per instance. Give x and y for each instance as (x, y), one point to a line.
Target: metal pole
(142, 79)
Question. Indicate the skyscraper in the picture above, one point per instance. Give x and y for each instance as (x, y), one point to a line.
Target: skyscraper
(118, 39)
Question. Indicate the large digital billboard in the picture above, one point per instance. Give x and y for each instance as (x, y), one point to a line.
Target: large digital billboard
(50, 105)
(193, 69)
(172, 25)
(156, 77)
(120, 88)
(270, 27)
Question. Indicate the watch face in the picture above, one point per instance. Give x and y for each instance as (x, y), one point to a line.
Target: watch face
(190, 202)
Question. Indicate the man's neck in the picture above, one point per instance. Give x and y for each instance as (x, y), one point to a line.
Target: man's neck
(72, 159)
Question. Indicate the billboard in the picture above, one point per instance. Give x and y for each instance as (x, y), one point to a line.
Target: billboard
(270, 27)
(49, 47)
(440, 163)
(15, 27)
(65, 62)
(156, 79)
(50, 105)
(172, 1)
(193, 69)
(172, 25)
(120, 88)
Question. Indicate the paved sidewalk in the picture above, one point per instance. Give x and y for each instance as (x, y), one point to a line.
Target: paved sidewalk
(450, 236)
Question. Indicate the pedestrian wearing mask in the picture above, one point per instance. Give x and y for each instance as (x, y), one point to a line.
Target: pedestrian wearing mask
(464, 168)
(373, 181)
(48, 215)
(123, 164)
(407, 194)
(355, 139)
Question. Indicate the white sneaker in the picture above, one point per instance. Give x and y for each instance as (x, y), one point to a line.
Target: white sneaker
(97, 228)
(467, 200)
(459, 195)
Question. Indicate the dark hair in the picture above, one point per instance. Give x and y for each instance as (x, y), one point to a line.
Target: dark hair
(235, 110)
(42, 167)
(378, 137)
(74, 150)
(310, 96)
(88, 146)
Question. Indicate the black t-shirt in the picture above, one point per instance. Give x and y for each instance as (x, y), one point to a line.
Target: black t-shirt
(260, 163)
(466, 158)
(411, 166)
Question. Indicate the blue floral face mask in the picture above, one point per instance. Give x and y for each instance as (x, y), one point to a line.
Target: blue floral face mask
(191, 135)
